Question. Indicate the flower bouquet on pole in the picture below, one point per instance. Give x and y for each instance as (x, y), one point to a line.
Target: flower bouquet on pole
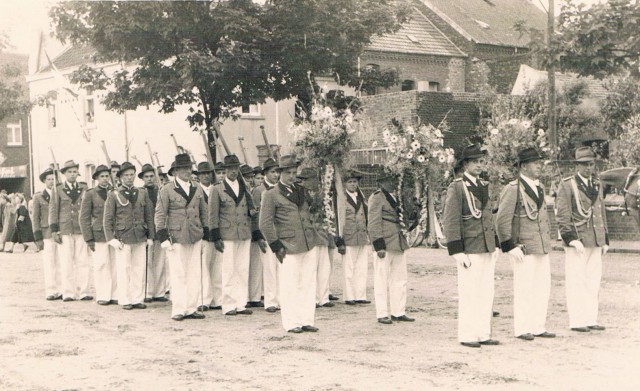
(421, 162)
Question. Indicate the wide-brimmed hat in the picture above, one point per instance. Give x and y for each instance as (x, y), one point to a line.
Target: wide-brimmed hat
(257, 170)
(288, 161)
(472, 152)
(69, 164)
(203, 168)
(308, 172)
(219, 166)
(231, 161)
(585, 155)
(126, 166)
(268, 164)
(45, 174)
(528, 154)
(99, 169)
(114, 164)
(146, 168)
(386, 176)
(457, 167)
(181, 161)
(246, 170)
(350, 174)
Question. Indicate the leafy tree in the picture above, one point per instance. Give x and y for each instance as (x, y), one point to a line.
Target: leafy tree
(621, 103)
(216, 56)
(13, 95)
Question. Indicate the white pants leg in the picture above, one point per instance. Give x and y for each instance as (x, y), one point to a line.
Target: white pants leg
(130, 260)
(541, 293)
(255, 272)
(355, 263)
(381, 269)
(594, 277)
(104, 272)
(475, 298)
(208, 252)
(184, 261)
(270, 266)
(324, 275)
(297, 281)
(216, 277)
(51, 267)
(235, 274)
(583, 274)
(390, 284)
(486, 294)
(75, 267)
(156, 271)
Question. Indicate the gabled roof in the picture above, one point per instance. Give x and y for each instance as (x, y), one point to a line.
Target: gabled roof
(73, 56)
(489, 22)
(417, 36)
(528, 78)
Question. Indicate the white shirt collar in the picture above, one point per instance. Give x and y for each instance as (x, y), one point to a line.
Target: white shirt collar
(532, 183)
(70, 185)
(474, 180)
(184, 185)
(46, 191)
(205, 188)
(234, 185)
(354, 194)
(585, 180)
(269, 183)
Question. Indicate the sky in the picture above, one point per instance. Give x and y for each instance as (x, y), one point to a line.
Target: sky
(21, 19)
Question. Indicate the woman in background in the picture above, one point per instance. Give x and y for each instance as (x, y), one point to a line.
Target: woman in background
(23, 233)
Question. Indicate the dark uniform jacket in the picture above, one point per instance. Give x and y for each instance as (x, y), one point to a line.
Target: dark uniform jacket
(355, 221)
(464, 232)
(285, 220)
(528, 225)
(384, 223)
(229, 217)
(181, 217)
(40, 221)
(92, 215)
(589, 224)
(128, 215)
(64, 210)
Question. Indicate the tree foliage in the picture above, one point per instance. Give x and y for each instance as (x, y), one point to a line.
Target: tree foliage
(13, 95)
(621, 103)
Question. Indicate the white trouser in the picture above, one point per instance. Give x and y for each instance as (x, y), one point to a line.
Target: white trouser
(156, 271)
(75, 267)
(297, 281)
(131, 260)
(583, 274)
(390, 284)
(51, 266)
(270, 271)
(211, 275)
(475, 297)
(356, 267)
(104, 272)
(255, 272)
(531, 290)
(235, 274)
(184, 261)
(324, 275)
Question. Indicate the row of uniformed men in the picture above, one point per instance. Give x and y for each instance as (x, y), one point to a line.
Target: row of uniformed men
(522, 228)
(125, 222)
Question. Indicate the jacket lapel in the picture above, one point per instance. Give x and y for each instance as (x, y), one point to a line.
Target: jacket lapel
(390, 199)
(481, 191)
(364, 205)
(529, 192)
(178, 189)
(228, 190)
(46, 196)
(102, 192)
(355, 205)
(292, 195)
(586, 192)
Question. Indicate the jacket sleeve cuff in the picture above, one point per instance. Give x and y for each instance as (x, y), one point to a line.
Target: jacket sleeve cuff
(339, 240)
(379, 244)
(162, 235)
(90, 241)
(276, 246)
(37, 235)
(256, 235)
(455, 247)
(54, 227)
(507, 245)
(205, 233)
(214, 235)
(568, 237)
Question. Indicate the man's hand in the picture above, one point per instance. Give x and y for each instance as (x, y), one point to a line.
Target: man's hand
(56, 237)
(263, 245)
(280, 254)
(40, 244)
(605, 249)
(115, 243)
(517, 254)
(219, 245)
(342, 250)
(381, 254)
(462, 259)
(149, 242)
(92, 246)
(166, 245)
(21, 218)
(578, 246)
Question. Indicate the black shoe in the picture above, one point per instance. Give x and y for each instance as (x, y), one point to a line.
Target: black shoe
(271, 309)
(310, 329)
(489, 342)
(597, 327)
(148, 300)
(68, 299)
(195, 315)
(581, 329)
(113, 302)
(350, 302)
(385, 320)
(318, 305)
(471, 344)
(203, 308)
(333, 298)
(127, 307)
(139, 306)
(328, 304)
(545, 335)
(526, 337)
(232, 313)
(255, 304)
(103, 302)
(496, 314)
(244, 312)
(54, 297)
(403, 318)
(363, 301)
(296, 330)
(215, 308)
(178, 317)
(87, 298)
(160, 299)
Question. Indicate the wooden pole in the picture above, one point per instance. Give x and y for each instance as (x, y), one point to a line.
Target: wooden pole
(551, 74)
(244, 153)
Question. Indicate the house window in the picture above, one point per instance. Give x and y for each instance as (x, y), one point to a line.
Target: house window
(408, 85)
(51, 109)
(434, 86)
(14, 134)
(89, 170)
(251, 110)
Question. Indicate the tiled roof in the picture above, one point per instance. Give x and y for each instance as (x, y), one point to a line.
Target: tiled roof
(73, 56)
(528, 77)
(417, 36)
(490, 21)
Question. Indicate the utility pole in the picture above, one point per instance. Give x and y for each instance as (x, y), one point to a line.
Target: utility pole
(551, 72)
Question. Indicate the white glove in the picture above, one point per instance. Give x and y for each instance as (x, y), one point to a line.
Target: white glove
(21, 218)
(578, 246)
(166, 245)
(115, 243)
(149, 242)
(462, 259)
(605, 249)
(517, 254)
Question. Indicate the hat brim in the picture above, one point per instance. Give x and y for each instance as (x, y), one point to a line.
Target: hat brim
(531, 159)
(44, 175)
(586, 160)
(473, 157)
(95, 174)
(296, 165)
(141, 173)
(64, 169)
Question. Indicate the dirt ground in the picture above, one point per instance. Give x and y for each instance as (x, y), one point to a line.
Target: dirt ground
(82, 346)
